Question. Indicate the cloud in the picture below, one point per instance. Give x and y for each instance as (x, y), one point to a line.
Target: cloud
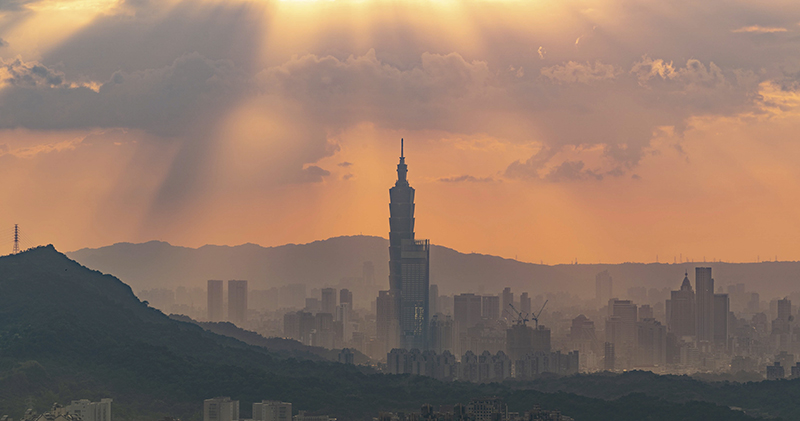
(311, 174)
(32, 74)
(466, 178)
(15, 4)
(541, 52)
(345, 164)
(164, 101)
(572, 72)
(3, 43)
(759, 29)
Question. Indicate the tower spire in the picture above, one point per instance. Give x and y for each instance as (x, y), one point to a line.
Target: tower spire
(401, 148)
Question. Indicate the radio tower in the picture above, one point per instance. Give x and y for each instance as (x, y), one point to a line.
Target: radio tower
(16, 239)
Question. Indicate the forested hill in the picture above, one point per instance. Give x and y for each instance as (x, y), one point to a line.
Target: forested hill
(323, 263)
(68, 332)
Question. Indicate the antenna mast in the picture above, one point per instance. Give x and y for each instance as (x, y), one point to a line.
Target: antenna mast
(16, 239)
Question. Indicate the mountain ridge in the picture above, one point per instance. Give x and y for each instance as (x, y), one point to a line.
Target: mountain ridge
(326, 262)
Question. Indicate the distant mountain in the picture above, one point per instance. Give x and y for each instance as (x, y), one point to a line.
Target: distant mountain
(68, 332)
(158, 264)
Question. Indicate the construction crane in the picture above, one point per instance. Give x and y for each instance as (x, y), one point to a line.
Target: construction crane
(535, 317)
(521, 319)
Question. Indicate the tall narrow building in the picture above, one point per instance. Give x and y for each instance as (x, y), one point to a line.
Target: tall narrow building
(680, 310)
(214, 292)
(409, 263)
(704, 304)
(237, 302)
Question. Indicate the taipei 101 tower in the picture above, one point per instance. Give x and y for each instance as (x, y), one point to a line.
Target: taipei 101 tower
(409, 264)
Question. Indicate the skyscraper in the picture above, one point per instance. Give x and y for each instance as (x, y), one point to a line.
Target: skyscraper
(680, 310)
(409, 263)
(603, 287)
(237, 302)
(387, 324)
(505, 310)
(433, 300)
(368, 273)
(466, 311)
(704, 304)
(491, 307)
(214, 292)
(722, 306)
(329, 300)
(525, 304)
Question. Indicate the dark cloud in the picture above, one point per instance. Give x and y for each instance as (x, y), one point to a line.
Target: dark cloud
(30, 75)
(3, 43)
(165, 101)
(345, 164)
(15, 4)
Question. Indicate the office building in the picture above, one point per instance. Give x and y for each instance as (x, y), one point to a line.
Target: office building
(346, 297)
(215, 303)
(652, 343)
(409, 263)
(220, 409)
(680, 310)
(237, 302)
(90, 411)
(433, 300)
(704, 304)
(506, 312)
(722, 306)
(329, 300)
(442, 333)
(609, 358)
(525, 304)
(387, 325)
(490, 307)
(368, 273)
(272, 411)
(603, 287)
(487, 409)
(467, 310)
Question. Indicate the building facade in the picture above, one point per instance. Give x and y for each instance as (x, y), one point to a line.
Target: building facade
(409, 264)
(237, 302)
(215, 303)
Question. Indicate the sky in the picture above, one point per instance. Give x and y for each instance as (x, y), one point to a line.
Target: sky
(547, 131)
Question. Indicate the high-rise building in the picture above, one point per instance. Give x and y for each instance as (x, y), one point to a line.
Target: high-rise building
(272, 411)
(540, 339)
(525, 303)
(603, 287)
(220, 409)
(346, 297)
(442, 333)
(237, 302)
(214, 291)
(433, 300)
(508, 300)
(368, 273)
(722, 306)
(621, 331)
(387, 324)
(704, 304)
(490, 307)
(652, 343)
(329, 300)
(467, 310)
(409, 263)
(609, 357)
(680, 310)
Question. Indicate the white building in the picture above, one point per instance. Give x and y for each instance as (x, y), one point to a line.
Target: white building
(272, 411)
(90, 411)
(220, 409)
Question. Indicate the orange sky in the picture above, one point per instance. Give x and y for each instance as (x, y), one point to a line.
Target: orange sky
(602, 131)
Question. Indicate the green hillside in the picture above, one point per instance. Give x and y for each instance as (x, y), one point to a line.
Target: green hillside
(67, 332)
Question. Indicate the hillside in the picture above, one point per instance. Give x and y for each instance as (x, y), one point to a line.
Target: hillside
(67, 332)
(321, 263)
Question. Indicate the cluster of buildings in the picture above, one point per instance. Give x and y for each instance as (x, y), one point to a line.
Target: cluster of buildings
(697, 327)
(79, 410)
(478, 409)
(226, 409)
